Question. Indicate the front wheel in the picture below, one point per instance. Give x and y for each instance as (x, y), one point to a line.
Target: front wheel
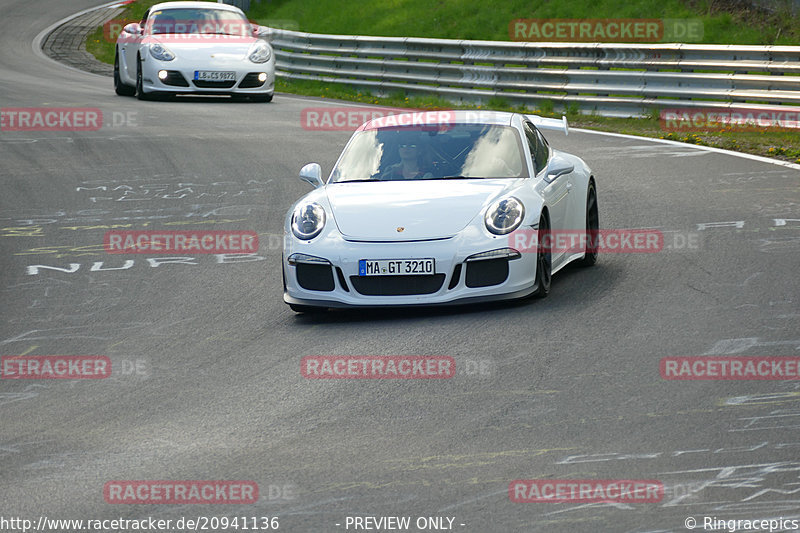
(140, 94)
(121, 88)
(544, 260)
(592, 228)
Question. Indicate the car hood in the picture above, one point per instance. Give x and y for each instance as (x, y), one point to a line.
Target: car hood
(425, 209)
(198, 48)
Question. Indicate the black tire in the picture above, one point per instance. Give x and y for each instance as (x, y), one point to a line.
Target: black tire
(307, 308)
(263, 98)
(120, 88)
(140, 94)
(592, 227)
(544, 260)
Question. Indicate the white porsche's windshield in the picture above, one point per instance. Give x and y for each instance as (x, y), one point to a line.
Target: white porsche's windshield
(199, 21)
(460, 151)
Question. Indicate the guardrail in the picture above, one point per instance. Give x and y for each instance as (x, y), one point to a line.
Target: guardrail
(609, 79)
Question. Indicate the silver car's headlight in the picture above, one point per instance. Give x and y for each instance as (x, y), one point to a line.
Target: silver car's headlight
(260, 52)
(504, 216)
(307, 221)
(160, 52)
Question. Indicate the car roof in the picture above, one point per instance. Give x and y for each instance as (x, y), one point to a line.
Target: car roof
(444, 117)
(204, 5)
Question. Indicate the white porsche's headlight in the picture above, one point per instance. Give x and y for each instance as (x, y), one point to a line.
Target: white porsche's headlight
(307, 221)
(260, 52)
(160, 52)
(504, 216)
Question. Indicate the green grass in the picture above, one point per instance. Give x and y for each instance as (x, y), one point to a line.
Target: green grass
(479, 19)
(724, 21)
(475, 19)
(97, 45)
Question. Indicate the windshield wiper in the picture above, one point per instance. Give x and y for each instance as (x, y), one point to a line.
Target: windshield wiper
(474, 178)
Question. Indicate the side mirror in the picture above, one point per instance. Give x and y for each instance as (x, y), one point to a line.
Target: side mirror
(312, 173)
(557, 167)
(265, 32)
(133, 29)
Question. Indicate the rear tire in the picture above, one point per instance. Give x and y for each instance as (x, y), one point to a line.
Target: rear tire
(592, 227)
(544, 260)
(120, 88)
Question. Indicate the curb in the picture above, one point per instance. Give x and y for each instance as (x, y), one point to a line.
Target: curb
(65, 41)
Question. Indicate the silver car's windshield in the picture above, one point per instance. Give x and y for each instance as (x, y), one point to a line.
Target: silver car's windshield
(458, 151)
(199, 21)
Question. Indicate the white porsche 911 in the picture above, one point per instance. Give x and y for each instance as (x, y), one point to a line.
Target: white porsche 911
(194, 47)
(426, 209)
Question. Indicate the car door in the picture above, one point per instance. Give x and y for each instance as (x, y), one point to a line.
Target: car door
(556, 193)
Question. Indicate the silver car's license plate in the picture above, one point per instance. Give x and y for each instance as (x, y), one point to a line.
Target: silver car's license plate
(213, 75)
(396, 267)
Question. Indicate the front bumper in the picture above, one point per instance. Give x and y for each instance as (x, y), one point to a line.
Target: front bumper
(326, 273)
(180, 77)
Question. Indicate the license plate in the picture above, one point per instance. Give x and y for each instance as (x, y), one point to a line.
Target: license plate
(396, 267)
(213, 75)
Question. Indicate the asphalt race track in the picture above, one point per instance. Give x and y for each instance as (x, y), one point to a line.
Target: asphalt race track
(206, 381)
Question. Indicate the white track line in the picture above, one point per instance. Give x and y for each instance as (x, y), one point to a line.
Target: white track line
(697, 146)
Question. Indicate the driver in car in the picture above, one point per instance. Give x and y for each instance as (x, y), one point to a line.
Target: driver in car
(413, 161)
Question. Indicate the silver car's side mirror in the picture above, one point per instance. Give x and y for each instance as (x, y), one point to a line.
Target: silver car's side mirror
(558, 166)
(133, 29)
(312, 173)
(265, 32)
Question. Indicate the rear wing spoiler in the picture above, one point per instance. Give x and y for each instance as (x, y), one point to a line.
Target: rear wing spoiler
(550, 123)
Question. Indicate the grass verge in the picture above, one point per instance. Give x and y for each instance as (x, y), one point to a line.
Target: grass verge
(723, 21)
